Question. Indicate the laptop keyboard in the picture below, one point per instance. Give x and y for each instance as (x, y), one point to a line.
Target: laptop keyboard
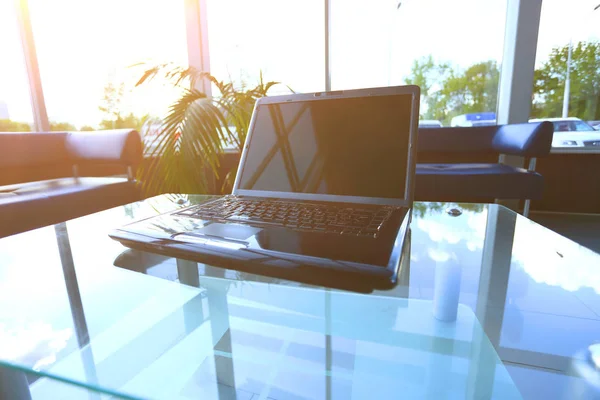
(344, 220)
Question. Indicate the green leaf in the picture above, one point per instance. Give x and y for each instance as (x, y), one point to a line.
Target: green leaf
(188, 148)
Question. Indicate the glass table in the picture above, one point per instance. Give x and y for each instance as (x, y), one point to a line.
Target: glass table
(81, 316)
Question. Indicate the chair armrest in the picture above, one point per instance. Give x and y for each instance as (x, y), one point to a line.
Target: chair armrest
(527, 140)
(121, 146)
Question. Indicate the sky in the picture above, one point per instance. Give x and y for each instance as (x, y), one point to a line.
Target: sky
(82, 45)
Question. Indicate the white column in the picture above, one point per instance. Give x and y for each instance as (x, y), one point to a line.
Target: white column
(565, 110)
(38, 106)
(516, 76)
(327, 45)
(518, 62)
(196, 22)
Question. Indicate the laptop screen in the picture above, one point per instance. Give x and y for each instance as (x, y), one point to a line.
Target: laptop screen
(354, 146)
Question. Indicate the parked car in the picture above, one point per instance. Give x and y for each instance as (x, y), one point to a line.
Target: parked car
(474, 119)
(572, 132)
(430, 123)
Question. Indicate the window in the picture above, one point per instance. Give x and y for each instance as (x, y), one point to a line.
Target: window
(451, 49)
(86, 50)
(284, 39)
(572, 126)
(568, 27)
(15, 104)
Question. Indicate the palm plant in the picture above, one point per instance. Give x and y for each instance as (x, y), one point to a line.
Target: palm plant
(186, 153)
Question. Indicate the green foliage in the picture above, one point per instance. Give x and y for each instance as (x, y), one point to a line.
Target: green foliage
(549, 83)
(185, 155)
(474, 90)
(112, 110)
(111, 101)
(448, 91)
(428, 75)
(61, 126)
(6, 125)
(86, 128)
(129, 121)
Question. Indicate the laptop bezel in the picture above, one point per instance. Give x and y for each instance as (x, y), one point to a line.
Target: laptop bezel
(406, 201)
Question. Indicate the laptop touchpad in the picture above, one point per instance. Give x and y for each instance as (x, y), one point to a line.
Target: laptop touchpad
(230, 231)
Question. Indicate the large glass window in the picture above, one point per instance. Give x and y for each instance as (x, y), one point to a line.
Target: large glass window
(282, 38)
(567, 71)
(15, 105)
(86, 50)
(451, 49)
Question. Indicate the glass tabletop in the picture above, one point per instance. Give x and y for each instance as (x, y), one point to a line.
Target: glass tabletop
(80, 313)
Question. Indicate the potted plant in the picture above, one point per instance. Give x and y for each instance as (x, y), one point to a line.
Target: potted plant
(187, 151)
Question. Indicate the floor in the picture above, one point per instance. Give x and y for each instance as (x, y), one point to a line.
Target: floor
(581, 228)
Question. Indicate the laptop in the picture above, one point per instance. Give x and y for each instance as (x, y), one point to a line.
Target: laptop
(323, 194)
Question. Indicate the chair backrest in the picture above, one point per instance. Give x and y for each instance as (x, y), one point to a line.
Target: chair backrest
(118, 146)
(30, 156)
(26, 157)
(457, 139)
(19, 149)
(527, 140)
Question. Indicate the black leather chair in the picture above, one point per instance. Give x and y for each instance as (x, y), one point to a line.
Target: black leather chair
(482, 181)
(46, 178)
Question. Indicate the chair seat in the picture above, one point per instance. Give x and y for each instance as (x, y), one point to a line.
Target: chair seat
(35, 204)
(459, 182)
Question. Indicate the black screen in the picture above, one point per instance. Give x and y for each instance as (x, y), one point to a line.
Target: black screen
(349, 147)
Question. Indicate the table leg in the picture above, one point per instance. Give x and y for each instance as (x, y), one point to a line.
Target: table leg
(76, 305)
(328, 360)
(13, 385)
(218, 310)
(188, 272)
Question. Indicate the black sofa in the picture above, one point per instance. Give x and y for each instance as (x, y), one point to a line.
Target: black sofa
(471, 179)
(49, 177)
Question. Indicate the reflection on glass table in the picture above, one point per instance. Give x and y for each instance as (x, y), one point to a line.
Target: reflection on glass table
(239, 340)
(82, 309)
